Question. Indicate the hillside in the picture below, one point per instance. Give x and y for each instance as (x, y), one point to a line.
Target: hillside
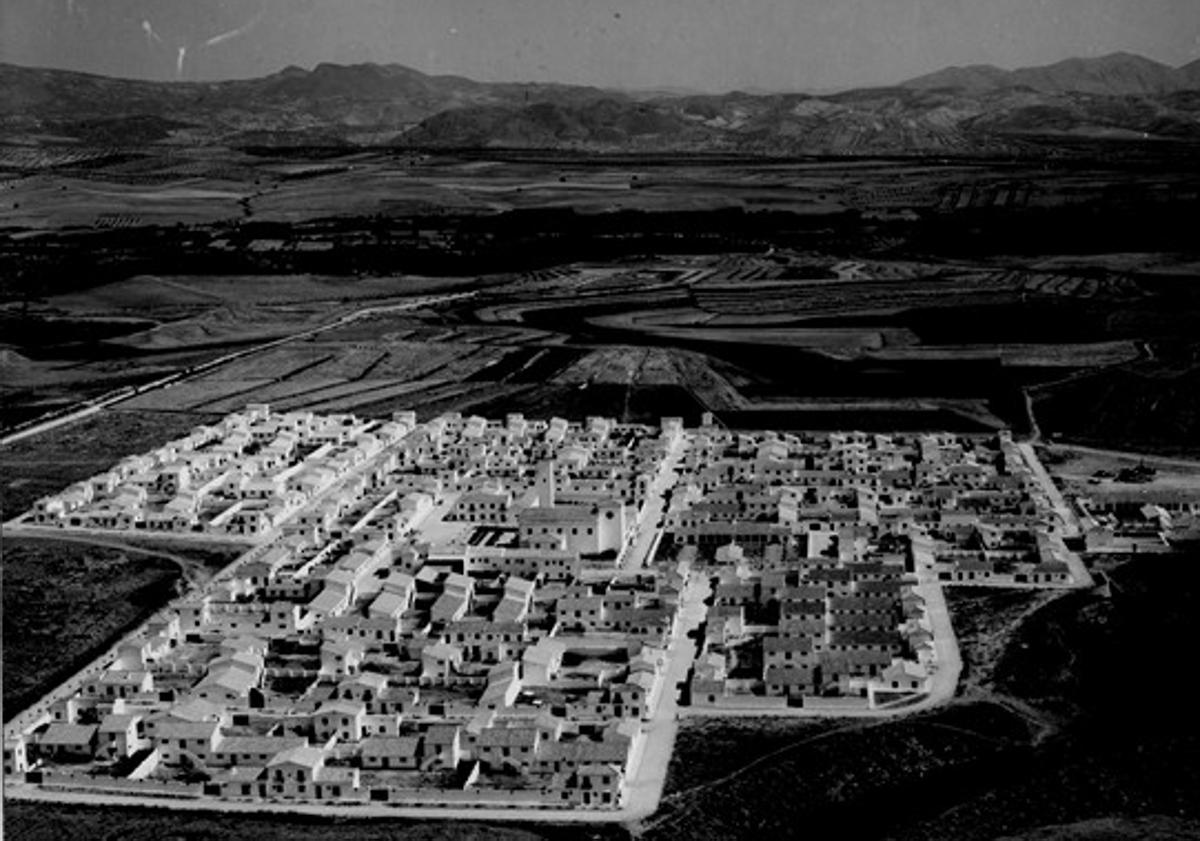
(970, 110)
(331, 99)
(1119, 74)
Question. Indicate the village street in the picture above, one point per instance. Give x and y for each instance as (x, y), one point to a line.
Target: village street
(649, 775)
(1053, 494)
(641, 552)
(1079, 573)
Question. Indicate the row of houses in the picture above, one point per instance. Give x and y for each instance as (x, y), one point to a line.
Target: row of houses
(971, 506)
(243, 477)
(812, 627)
(814, 543)
(1138, 519)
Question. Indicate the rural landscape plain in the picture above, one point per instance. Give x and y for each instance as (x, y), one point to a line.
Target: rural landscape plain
(390, 454)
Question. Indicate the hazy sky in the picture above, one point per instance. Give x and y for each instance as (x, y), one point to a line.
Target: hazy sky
(703, 44)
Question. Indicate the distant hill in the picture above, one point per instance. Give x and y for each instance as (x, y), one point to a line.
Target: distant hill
(1119, 74)
(329, 93)
(967, 110)
(1190, 73)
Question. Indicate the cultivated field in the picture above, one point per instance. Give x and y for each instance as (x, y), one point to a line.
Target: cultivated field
(193, 184)
(800, 339)
(798, 291)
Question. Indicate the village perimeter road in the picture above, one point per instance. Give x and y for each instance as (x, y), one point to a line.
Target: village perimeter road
(1079, 572)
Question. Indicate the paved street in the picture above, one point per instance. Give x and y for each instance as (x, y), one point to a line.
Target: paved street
(1053, 494)
(1079, 572)
(948, 662)
(646, 782)
(641, 552)
(22, 791)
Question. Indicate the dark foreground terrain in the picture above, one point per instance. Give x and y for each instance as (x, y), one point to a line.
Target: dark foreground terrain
(35, 822)
(65, 602)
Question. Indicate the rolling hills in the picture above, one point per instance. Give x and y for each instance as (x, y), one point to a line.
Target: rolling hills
(1119, 74)
(968, 110)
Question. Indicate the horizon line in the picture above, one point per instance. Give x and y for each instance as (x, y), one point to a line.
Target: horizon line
(683, 90)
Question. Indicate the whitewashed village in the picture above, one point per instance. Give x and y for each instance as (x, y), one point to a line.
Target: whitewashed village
(468, 612)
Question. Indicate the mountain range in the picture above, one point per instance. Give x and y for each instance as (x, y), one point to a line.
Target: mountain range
(969, 110)
(1119, 74)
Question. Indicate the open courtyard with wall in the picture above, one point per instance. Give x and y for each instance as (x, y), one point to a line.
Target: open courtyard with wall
(510, 614)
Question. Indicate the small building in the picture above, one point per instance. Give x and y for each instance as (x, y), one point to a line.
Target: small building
(121, 734)
(904, 676)
(391, 753)
(16, 755)
(341, 719)
(63, 742)
(176, 738)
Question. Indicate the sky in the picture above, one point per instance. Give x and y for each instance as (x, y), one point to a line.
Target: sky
(708, 45)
